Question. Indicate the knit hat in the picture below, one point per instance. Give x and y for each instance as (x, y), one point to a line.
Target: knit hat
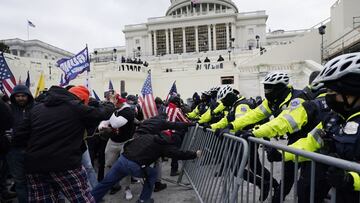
(119, 99)
(81, 92)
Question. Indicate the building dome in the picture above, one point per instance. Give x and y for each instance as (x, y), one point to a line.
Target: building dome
(182, 6)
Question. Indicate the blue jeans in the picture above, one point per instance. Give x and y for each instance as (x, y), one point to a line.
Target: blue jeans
(120, 169)
(15, 159)
(90, 171)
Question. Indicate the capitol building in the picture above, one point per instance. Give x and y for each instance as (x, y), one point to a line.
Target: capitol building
(200, 46)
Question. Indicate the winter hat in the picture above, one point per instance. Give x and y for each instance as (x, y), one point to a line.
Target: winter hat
(119, 99)
(81, 92)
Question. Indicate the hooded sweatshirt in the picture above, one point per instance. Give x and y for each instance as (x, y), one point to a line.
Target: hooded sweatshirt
(53, 132)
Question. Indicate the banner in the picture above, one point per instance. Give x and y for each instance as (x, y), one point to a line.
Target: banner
(75, 65)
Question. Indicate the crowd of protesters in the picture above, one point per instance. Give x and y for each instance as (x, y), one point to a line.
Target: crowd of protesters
(64, 144)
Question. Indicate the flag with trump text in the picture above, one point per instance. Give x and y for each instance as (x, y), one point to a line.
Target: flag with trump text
(147, 99)
(7, 79)
(75, 65)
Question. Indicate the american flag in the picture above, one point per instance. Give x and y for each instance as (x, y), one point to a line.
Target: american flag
(172, 91)
(147, 99)
(7, 79)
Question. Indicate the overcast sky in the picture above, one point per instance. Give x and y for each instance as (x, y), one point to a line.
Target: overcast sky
(70, 24)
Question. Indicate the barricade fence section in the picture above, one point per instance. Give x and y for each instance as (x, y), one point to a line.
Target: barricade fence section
(234, 170)
(216, 175)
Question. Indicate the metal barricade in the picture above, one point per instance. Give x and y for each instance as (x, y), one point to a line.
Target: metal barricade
(313, 178)
(216, 176)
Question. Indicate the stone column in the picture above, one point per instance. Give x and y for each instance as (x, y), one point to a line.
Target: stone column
(209, 38)
(196, 39)
(184, 40)
(227, 35)
(150, 44)
(155, 44)
(167, 41)
(172, 40)
(214, 34)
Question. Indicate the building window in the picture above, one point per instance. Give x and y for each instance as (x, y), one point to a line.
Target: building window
(161, 42)
(204, 7)
(211, 7)
(221, 37)
(251, 44)
(203, 38)
(137, 41)
(251, 31)
(178, 40)
(152, 43)
(190, 39)
(14, 52)
(227, 80)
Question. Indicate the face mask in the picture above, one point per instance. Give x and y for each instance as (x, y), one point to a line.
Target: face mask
(229, 100)
(338, 107)
(341, 107)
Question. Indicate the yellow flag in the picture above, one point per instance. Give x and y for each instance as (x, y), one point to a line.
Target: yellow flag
(41, 85)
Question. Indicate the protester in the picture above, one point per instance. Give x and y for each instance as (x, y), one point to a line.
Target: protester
(6, 121)
(122, 121)
(53, 136)
(22, 102)
(148, 145)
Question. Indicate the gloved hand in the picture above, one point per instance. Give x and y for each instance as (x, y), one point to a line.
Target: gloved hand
(220, 132)
(274, 155)
(230, 117)
(244, 134)
(206, 126)
(339, 179)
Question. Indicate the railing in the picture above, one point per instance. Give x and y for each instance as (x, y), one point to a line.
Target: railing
(343, 42)
(215, 176)
(220, 174)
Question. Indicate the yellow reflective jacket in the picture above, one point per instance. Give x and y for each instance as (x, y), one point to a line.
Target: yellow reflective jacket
(194, 114)
(206, 117)
(240, 110)
(313, 142)
(258, 114)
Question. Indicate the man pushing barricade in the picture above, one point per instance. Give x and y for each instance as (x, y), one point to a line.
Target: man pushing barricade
(150, 142)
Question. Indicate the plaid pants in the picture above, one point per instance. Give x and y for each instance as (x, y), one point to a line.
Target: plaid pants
(45, 187)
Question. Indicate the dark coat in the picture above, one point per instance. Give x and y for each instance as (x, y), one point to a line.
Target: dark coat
(6, 121)
(54, 131)
(147, 145)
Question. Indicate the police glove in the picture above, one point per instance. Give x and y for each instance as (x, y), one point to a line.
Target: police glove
(220, 132)
(339, 179)
(206, 126)
(274, 155)
(244, 134)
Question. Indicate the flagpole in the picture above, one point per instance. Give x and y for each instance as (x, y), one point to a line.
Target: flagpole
(87, 72)
(28, 30)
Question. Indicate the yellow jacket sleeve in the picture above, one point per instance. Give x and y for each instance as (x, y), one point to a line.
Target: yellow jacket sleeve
(356, 179)
(194, 114)
(221, 124)
(241, 110)
(206, 117)
(220, 108)
(253, 116)
(311, 143)
(289, 121)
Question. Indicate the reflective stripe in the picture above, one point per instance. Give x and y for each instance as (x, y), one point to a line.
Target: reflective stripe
(239, 115)
(316, 133)
(356, 179)
(263, 109)
(292, 122)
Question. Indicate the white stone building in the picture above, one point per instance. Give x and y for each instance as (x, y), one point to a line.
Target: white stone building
(35, 49)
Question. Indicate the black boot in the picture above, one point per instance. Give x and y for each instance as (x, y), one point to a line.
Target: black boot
(159, 186)
(116, 188)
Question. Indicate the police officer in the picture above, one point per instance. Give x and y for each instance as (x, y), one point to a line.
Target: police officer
(278, 96)
(202, 107)
(338, 134)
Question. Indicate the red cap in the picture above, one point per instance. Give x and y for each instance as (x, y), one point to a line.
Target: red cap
(119, 99)
(81, 92)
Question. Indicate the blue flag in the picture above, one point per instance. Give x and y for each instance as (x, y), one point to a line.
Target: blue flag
(111, 87)
(173, 91)
(27, 83)
(75, 65)
(96, 96)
